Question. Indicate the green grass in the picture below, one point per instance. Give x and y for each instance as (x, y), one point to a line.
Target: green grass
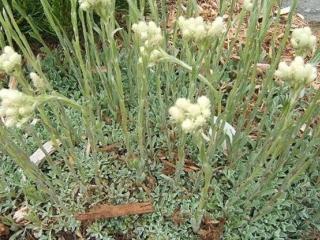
(27, 11)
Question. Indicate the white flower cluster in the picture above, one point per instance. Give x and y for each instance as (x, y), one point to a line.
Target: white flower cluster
(16, 108)
(149, 33)
(9, 60)
(87, 5)
(191, 116)
(303, 39)
(297, 73)
(197, 29)
(37, 81)
(151, 37)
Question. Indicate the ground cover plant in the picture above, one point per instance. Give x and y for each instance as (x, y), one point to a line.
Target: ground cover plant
(220, 136)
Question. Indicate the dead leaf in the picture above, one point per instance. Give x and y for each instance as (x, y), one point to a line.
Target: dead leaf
(177, 217)
(109, 148)
(20, 215)
(170, 168)
(211, 230)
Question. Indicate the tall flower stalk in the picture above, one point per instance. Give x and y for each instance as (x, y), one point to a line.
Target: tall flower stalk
(193, 118)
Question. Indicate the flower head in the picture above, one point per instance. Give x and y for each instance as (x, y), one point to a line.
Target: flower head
(302, 39)
(37, 81)
(176, 113)
(16, 107)
(192, 28)
(216, 28)
(87, 5)
(191, 116)
(297, 73)
(149, 33)
(9, 60)
(198, 30)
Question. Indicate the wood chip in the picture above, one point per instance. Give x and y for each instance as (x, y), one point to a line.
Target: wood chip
(38, 156)
(109, 148)
(4, 230)
(170, 168)
(111, 211)
(177, 217)
(211, 230)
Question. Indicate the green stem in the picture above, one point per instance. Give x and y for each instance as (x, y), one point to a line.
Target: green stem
(67, 101)
(207, 172)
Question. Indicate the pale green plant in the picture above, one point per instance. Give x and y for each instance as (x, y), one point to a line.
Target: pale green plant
(127, 65)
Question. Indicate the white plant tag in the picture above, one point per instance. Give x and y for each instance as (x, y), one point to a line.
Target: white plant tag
(38, 156)
(228, 130)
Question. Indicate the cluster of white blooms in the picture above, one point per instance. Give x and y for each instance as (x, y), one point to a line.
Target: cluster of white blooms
(191, 116)
(216, 28)
(86, 5)
(248, 5)
(297, 73)
(37, 81)
(149, 33)
(197, 29)
(9, 60)
(303, 39)
(16, 107)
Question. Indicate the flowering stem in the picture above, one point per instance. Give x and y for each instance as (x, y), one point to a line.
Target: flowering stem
(109, 28)
(21, 80)
(67, 101)
(202, 78)
(207, 172)
(142, 119)
(181, 157)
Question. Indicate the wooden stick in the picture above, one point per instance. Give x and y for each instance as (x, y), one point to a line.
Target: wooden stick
(110, 211)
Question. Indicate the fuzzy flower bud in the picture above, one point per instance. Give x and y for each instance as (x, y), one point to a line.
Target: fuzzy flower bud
(198, 30)
(9, 60)
(183, 103)
(149, 33)
(176, 114)
(191, 116)
(37, 82)
(302, 39)
(192, 28)
(187, 125)
(16, 107)
(203, 102)
(216, 28)
(297, 73)
(87, 5)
